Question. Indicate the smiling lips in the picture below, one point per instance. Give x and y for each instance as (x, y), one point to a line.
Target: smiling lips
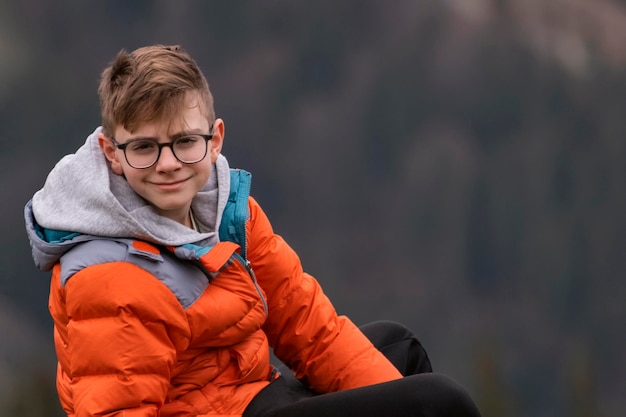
(170, 186)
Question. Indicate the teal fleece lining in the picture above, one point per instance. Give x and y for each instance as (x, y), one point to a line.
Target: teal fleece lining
(54, 236)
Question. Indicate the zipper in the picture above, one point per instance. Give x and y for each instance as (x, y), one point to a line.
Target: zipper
(241, 211)
(248, 266)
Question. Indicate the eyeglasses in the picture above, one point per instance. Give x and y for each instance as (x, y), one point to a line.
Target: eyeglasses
(144, 153)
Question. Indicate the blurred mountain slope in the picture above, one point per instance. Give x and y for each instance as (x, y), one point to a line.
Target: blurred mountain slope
(456, 165)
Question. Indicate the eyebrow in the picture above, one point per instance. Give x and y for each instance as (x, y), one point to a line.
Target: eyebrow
(172, 137)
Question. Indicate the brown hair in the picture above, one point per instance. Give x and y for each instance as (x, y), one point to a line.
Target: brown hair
(148, 84)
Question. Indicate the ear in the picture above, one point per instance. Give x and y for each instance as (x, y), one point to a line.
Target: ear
(110, 153)
(215, 144)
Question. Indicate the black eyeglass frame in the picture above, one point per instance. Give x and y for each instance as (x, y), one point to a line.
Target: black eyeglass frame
(123, 146)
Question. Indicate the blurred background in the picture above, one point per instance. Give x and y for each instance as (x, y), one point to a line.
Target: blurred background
(456, 165)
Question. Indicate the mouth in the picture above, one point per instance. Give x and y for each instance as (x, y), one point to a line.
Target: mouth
(170, 185)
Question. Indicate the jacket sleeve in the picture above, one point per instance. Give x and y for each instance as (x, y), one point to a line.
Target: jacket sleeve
(118, 330)
(326, 350)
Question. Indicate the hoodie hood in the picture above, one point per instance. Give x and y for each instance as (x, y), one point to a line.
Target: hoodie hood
(82, 199)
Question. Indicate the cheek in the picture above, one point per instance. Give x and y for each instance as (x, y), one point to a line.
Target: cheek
(202, 175)
(134, 181)
(206, 172)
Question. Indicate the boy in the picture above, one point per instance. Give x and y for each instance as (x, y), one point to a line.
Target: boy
(169, 286)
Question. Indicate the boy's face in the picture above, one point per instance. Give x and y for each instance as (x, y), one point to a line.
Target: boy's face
(169, 185)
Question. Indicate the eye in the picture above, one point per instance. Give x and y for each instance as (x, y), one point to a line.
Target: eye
(187, 141)
(142, 146)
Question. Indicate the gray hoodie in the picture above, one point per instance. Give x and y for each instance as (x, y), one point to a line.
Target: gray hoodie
(82, 199)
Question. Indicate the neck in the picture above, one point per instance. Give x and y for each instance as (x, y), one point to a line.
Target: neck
(192, 221)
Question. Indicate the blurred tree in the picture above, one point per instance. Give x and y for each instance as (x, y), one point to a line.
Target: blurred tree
(458, 165)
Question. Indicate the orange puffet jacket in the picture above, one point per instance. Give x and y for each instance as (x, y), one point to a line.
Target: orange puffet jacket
(136, 346)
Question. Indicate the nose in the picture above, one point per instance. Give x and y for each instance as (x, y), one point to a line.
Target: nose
(167, 161)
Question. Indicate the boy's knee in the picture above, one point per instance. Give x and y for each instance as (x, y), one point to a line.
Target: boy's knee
(385, 332)
(399, 345)
(449, 398)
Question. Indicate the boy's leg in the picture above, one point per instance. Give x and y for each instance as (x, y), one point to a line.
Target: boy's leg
(399, 345)
(421, 395)
(394, 340)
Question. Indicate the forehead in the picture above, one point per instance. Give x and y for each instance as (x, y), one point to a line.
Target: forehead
(189, 117)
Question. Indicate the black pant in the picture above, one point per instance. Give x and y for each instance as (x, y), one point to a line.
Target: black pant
(420, 393)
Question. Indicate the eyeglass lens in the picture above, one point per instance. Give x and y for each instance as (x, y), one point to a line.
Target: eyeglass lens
(145, 153)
